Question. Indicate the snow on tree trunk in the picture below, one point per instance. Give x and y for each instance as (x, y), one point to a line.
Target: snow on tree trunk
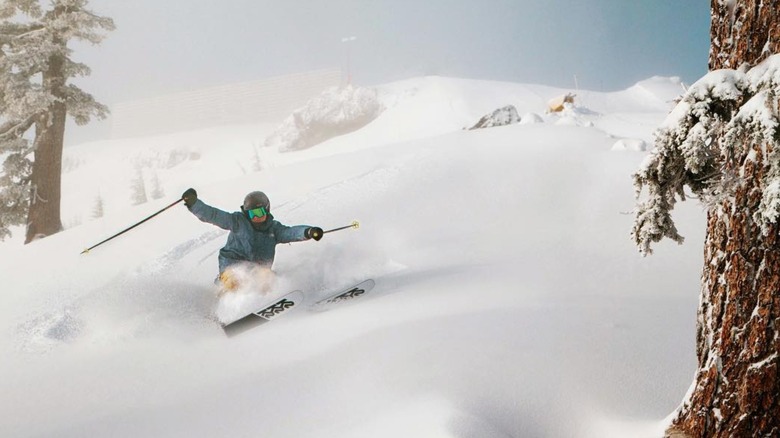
(736, 385)
(722, 141)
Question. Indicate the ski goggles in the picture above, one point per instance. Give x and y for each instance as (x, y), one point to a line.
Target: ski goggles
(257, 212)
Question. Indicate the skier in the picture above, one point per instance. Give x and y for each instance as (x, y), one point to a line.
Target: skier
(253, 237)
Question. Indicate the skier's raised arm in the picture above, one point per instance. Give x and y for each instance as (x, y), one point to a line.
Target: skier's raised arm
(209, 214)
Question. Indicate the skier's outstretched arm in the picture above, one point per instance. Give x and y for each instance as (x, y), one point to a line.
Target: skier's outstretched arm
(297, 233)
(207, 213)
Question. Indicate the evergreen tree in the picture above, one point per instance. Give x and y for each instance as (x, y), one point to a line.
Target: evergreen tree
(35, 98)
(138, 194)
(97, 209)
(722, 141)
(157, 190)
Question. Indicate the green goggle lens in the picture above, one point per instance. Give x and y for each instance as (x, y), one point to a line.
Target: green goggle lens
(257, 212)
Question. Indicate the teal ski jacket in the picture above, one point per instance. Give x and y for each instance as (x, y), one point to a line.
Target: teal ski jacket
(245, 243)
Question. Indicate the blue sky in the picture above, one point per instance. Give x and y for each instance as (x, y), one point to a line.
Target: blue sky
(173, 45)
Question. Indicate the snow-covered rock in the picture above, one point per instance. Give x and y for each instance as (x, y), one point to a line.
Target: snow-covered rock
(500, 117)
(338, 111)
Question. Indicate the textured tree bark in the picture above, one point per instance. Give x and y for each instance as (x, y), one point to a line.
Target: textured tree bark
(743, 31)
(43, 218)
(737, 384)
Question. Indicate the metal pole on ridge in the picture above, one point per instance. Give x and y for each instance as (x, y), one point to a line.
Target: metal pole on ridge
(130, 227)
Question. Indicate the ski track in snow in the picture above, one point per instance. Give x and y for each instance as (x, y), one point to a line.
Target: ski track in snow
(173, 300)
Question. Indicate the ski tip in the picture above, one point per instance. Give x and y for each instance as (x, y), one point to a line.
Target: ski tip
(267, 313)
(344, 295)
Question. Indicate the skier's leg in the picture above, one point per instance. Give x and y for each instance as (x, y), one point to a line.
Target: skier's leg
(227, 281)
(263, 277)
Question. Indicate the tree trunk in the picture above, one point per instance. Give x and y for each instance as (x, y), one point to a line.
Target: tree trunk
(43, 218)
(737, 383)
(743, 31)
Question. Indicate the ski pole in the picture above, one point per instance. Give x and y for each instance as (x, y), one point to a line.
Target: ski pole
(354, 224)
(130, 227)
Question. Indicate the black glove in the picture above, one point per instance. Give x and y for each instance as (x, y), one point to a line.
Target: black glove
(190, 196)
(313, 233)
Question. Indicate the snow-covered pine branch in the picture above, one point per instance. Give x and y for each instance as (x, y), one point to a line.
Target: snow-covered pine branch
(10, 8)
(83, 106)
(13, 129)
(14, 180)
(702, 145)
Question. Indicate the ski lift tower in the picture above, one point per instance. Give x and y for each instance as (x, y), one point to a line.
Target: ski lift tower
(346, 41)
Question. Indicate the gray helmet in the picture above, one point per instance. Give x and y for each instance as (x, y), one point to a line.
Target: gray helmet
(255, 200)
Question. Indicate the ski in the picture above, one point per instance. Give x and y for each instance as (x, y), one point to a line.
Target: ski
(343, 296)
(284, 305)
(266, 314)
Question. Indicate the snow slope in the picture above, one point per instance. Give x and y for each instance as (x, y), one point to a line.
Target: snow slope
(509, 302)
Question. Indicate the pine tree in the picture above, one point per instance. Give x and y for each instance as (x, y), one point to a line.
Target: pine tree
(35, 98)
(97, 209)
(157, 190)
(138, 195)
(722, 141)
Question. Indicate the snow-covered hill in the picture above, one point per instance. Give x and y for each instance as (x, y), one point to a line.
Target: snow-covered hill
(509, 299)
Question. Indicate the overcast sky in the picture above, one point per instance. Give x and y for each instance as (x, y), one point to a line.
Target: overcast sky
(174, 45)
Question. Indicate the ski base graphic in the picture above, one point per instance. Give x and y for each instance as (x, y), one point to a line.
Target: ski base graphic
(285, 304)
(343, 296)
(268, 313)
